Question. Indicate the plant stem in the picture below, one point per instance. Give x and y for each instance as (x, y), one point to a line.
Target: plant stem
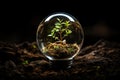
(60, 33)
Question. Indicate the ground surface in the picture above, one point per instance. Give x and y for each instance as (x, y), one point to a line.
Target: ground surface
(100, 61)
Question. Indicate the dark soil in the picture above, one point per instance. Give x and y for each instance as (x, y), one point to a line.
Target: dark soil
(24, 61)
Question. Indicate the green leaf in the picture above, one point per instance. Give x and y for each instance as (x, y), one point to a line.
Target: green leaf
(66, 23)
(53, 31)
(63, 30)
(59, 20)
(57, 30)
(66, 31)
(58, 27)
(25, 62)
(63, 23)
(69, 31)
(56, 38)
(53, 36)
(57, 24)
(49, 35)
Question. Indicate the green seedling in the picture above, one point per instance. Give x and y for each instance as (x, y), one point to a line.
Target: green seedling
(25, 62)
(61, 30)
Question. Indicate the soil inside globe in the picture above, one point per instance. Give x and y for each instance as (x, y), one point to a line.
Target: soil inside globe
(61, 50)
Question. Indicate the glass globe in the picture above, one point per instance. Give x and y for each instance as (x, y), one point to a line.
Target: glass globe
(60, 37)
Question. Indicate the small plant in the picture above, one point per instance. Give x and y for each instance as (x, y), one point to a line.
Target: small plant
(60, 30)
(25, 62)
(60, 49)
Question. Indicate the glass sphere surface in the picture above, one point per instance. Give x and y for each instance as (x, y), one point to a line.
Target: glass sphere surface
(60, 36)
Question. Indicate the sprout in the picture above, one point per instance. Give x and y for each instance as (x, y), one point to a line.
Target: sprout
(60, 30)
(25, 62)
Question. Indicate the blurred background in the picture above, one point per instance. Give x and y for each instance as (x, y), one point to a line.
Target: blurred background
(20, 19)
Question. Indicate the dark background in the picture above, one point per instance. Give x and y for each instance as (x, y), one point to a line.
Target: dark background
(19, 20)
